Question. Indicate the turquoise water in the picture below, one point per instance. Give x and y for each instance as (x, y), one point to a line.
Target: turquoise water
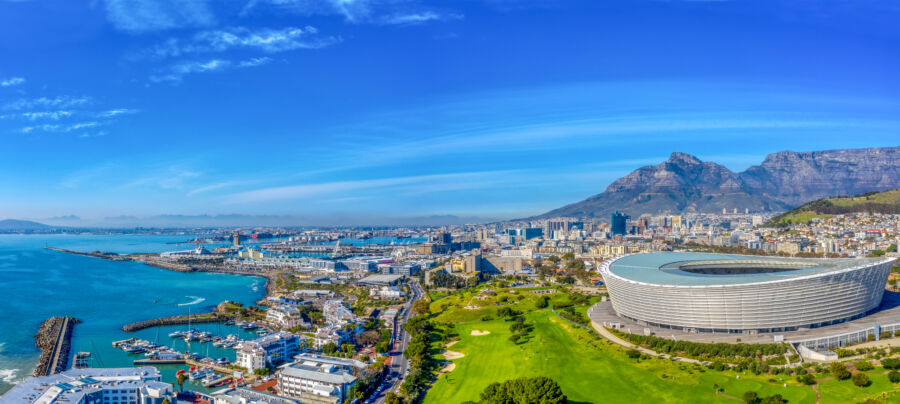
(37, 283)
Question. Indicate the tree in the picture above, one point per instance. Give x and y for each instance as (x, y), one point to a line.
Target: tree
(839, 371)
(180, 378)
(329, 348)
(861, 379)
(863, 366)
(890, 363)
(538, 390)
(806, 378)
(421, 307)
(391, 398)
(894, 376)
(774, 399)
(166, 401)
(750, 397)
(261, 371)
(633, 353)
(542, 302)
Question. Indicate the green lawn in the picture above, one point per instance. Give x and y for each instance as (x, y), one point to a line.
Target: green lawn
(588, 369)
(834, 391)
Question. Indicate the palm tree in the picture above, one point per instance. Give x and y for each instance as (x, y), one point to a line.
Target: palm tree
(180, 378)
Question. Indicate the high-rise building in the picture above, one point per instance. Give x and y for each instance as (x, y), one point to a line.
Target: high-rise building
(445, 238)
(237, 240)
(619, 223)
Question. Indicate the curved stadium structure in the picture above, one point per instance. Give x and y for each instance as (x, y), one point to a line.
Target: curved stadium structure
(723, 293)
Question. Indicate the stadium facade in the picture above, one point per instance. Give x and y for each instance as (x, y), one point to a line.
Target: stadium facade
(724, 293)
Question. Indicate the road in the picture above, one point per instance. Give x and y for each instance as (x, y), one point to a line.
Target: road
(399, 364)
(60, 340)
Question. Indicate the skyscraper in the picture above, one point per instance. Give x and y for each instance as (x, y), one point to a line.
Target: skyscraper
(618, 223)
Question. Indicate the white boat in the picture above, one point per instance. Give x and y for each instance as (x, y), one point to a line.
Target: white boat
(177, 334)
(200, 373)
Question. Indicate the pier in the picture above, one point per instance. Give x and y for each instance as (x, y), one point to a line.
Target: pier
(54, 339)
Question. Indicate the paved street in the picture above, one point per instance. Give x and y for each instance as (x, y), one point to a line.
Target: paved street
(399, 364)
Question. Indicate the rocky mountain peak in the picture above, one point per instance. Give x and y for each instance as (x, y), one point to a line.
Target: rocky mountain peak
(683, 158)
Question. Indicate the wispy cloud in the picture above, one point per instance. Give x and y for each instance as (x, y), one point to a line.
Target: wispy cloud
(12, 81)
(177, 72)
(351, 10)
(418, 18)
(139, 16)
(39, 115)
(47, 127)
(454, 181)
(116, 112)
(261, 39)
(64, 101)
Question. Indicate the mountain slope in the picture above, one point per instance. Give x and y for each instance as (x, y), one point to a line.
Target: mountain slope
(683, 183)
(21, 225)
(877, 202)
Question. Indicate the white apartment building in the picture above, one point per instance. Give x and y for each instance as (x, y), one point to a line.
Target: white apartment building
(285, 315)
(271, 349)
(142, 385)
(318, 375)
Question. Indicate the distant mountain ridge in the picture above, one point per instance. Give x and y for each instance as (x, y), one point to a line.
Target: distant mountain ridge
(875, 202)
(21, 225)
(783, 180)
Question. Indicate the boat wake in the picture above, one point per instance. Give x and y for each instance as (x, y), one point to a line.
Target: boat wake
(255, 286)
(197, 300)
(8, 375)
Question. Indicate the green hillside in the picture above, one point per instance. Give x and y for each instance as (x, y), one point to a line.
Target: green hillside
(874, 202)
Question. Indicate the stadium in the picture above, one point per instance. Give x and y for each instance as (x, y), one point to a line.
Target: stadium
(724, 293)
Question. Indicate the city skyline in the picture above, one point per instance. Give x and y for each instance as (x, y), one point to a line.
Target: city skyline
(359, 108)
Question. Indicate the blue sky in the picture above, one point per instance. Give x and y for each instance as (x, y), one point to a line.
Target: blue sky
(389, 108)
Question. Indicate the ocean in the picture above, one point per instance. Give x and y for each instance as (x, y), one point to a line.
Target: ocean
(37, 283)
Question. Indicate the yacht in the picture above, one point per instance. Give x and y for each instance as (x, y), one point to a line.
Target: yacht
(200, 373)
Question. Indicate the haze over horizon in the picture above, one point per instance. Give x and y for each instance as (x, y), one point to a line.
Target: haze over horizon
(348, 110)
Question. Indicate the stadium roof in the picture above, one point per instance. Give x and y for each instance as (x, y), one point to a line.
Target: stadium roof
(707, 269)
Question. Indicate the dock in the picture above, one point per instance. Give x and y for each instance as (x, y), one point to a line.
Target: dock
(54, 339)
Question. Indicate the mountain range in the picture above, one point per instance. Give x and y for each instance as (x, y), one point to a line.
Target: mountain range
(783, 180)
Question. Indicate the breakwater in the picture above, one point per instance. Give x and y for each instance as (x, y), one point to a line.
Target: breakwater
(54, 340)
(176, 320)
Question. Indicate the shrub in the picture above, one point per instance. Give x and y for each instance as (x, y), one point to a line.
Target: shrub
(863, 366)
(750, 397)
(894, 376)
(861, 379)
(890, 363)
(839, 371)
(633, 353)
(806, 379)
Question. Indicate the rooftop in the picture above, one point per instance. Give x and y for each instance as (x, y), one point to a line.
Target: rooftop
(706, 269)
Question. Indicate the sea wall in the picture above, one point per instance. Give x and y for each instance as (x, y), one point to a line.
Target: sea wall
(54, 340)
(175, 320)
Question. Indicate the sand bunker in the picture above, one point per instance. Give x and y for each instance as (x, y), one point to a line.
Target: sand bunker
(451, 355)
(449, 368)
(477, 332)
(451, 343)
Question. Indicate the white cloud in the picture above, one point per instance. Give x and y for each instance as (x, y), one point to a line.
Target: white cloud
(53, 127)
(418, 18)
(264, 39)
(351, 10)
(12, 81)
(116, 112)
(176, 73)
(138, 16)
(63, 101)
(435, 182)
(253, 62)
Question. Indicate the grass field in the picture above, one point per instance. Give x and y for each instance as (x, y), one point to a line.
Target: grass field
(590, 369)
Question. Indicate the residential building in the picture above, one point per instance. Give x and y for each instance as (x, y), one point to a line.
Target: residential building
(285, 315)
(319, 375)
(141, 385)
(271, 349)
